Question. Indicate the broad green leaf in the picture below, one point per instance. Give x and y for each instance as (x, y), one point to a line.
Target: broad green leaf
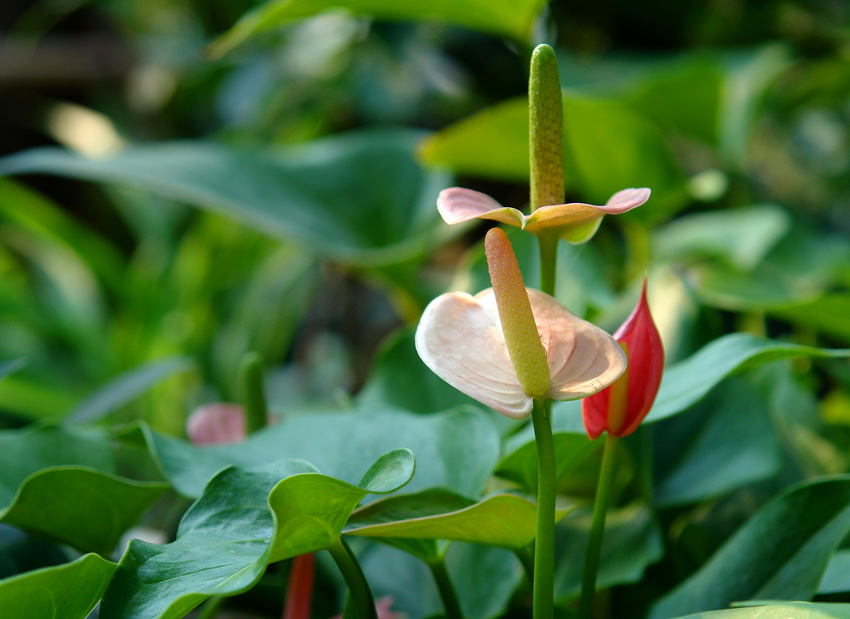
(494, 143)
(500, 520)
(829, 314)
(244, 520)
(87, 509)
(779, 553)
(571, 449)
(359, 197)
(125, 388)
(73, 471)
(456, 449)
(632, 542)
(687, 382)
(29, 450)
(511, 18)
(724, 442)
(788, 610)
(21, 552)
(67, 591)
(485, 578)
(9, 367)
(742, 237)
(836, 578)
(400, 379)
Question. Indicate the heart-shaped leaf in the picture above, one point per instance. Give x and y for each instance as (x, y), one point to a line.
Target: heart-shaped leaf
(513, 19)
(87, 509)
(501, 520)
(359, 197)
(244, 520)
(67, 591)
(780, 553)
(456, 449)
(72, 471)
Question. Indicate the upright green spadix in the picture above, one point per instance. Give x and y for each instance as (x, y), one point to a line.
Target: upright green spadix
(546, 129)
(521, 337)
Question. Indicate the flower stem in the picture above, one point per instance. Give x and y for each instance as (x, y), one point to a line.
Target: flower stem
(251, 392)
(597, 528)
(544, 545)
(447, 590)
(360, 604)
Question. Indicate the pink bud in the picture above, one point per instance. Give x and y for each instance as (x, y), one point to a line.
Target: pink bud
(621, 408)
(216, 424)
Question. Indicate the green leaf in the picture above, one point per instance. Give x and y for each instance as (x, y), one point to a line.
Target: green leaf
(494, 143)
(511, 18)
(724, 442)
(742, 236)
(632, 542)
(687, 382)
(9, 367)
(359, 197)
(400, 379)
(836, 578)
(501, 520)
(72, 472)
(571, 449)
(829, 314)
(788, 610)
(779, 553)
(125, 388)
(87, 509)
(244, 520)
(20, 552)
(456, 449)
(67, 591)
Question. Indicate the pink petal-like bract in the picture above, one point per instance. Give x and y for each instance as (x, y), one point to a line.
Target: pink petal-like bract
(646, 363)
(457, 205)
(460, 338)
(215, 424)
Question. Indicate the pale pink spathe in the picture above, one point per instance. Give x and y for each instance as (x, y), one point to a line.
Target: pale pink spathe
(460, 339)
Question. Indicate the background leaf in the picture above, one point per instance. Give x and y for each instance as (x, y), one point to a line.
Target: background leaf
(781, 552)
(455, 449)
(358, 197)
(503, 17)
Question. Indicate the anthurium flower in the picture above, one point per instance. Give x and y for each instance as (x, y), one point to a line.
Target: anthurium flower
(576, 222)
(462, 339)
(621, 408)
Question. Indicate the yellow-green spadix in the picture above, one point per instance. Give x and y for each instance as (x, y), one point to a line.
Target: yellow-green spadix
(463, 339)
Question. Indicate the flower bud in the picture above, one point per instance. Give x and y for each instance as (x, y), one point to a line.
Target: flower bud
(620, 408)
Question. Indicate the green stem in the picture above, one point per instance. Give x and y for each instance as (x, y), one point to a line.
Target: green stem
(251, 392)
(597, 528)
(447, 590)
(360, 603)
(548, 261)
(544, 545)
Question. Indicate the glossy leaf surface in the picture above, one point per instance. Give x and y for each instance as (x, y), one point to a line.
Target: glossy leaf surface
(67, 591)
(245, 519)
